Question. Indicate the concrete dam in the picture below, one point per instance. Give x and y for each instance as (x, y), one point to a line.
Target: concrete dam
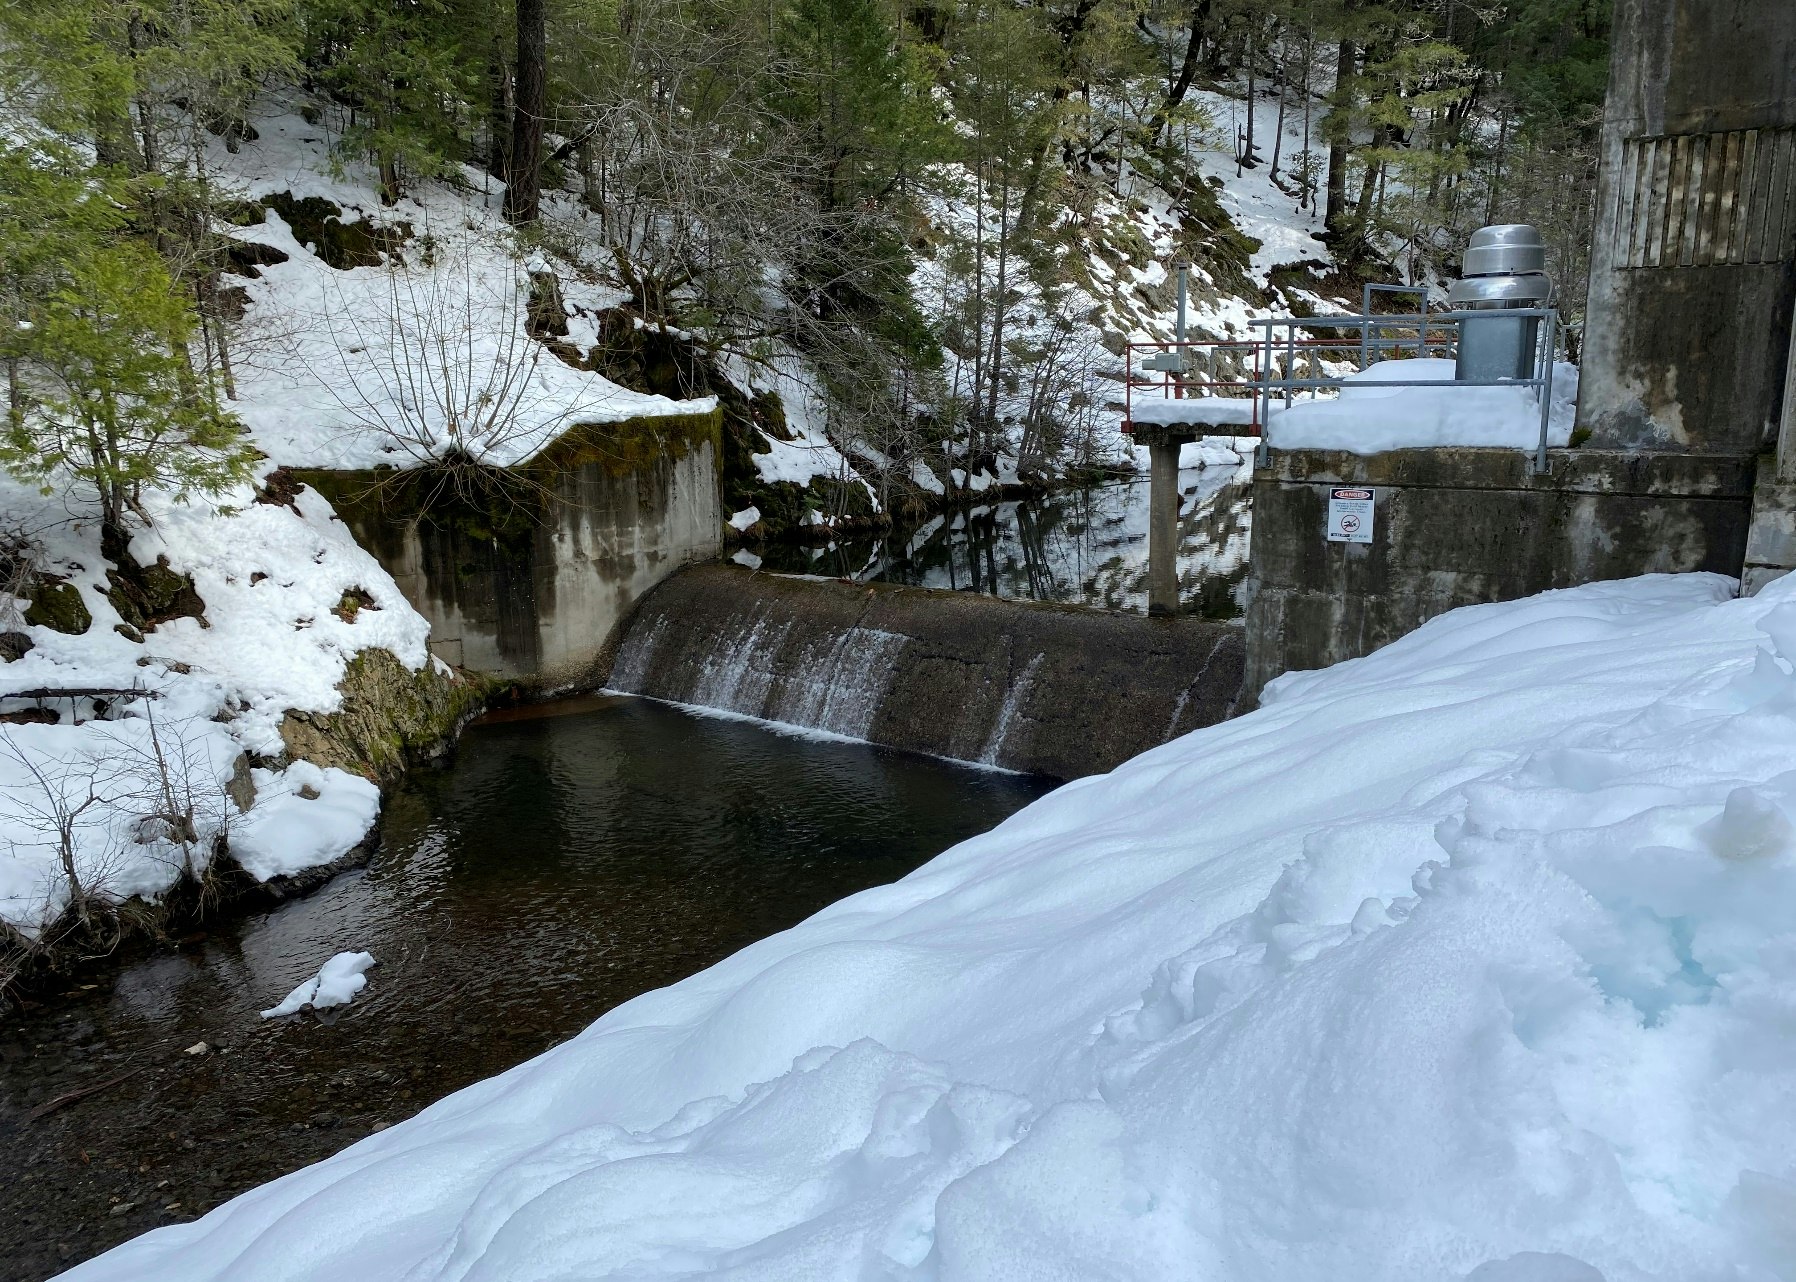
(1044, 689)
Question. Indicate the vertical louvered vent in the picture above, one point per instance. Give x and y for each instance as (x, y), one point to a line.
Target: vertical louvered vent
(1697, 200)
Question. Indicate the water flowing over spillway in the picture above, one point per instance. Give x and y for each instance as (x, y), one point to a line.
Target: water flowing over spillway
(1043, 689)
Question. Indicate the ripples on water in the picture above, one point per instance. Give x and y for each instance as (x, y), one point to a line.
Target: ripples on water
(563, 865)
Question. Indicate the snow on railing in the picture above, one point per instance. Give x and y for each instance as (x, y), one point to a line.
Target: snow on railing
(1290, 358)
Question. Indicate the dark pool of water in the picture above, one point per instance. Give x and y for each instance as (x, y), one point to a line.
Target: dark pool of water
(1083, 547)
(562, 865)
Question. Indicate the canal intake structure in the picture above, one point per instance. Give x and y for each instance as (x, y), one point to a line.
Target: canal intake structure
(1044, 689)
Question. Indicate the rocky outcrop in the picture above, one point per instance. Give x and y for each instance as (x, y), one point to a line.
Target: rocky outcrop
(391, 717)
(1053, 690)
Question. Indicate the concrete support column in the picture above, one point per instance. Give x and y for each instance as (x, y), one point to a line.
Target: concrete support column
(1163, 529)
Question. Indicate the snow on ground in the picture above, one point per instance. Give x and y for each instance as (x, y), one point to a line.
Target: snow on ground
(422, 356)
(393, 364)
(336, 984)
(273, 579)
(1474, 957)
(1253, 203)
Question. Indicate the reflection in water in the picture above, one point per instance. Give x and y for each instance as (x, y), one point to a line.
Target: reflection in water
(563, 865)
(1083, 547)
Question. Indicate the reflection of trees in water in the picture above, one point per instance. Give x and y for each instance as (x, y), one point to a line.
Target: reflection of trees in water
(1085, 546)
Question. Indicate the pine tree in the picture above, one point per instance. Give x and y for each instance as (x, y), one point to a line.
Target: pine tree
(95, 339)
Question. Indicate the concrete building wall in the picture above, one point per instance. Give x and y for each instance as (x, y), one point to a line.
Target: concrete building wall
(1455, 527)
(1693, 269)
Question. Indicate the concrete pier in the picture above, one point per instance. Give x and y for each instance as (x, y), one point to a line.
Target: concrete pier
(1163, 529)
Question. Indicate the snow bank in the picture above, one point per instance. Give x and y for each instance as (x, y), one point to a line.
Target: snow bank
(1475, 957)
(273, 579)
(336, 984)
(1369, 419)
(304, 816)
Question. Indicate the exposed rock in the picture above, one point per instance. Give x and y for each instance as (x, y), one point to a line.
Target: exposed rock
(280, 489)
(15, 645)
(146, 595)
(57, 605)
(342, 244)
(241, 787)
(31, 717)
(390, 716)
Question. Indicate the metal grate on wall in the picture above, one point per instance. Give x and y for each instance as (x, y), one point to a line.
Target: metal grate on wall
(1698, 200)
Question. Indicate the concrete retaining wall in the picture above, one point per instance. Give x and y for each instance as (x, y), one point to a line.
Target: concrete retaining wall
(531, 587)
(1455, 527)
(1045, 689)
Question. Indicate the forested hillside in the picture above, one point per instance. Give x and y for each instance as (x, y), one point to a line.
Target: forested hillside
(905, 243)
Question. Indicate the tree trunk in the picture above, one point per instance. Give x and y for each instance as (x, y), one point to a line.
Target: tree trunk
(1284, 79)
(1340, 143)
(499, 109)
(523, 196)
(1200, 22)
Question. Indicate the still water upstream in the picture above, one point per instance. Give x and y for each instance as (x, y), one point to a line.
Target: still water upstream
(562, 864)
(1085, 546)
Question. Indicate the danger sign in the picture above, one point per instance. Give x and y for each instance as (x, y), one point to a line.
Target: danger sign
(1350, 515)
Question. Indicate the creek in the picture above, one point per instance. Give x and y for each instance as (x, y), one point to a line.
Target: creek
(566, 861)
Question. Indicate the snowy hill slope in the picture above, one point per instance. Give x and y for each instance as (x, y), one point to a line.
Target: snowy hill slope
(1472, 958)
(424, 352)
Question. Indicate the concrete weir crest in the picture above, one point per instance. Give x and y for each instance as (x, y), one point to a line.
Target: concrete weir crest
(1046, 689)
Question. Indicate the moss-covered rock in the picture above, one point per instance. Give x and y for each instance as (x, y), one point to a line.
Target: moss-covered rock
(146, 595)
(390, 717)
(317, 222)
(59, 607)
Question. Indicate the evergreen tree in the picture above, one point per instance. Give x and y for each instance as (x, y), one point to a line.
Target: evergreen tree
(95, 339)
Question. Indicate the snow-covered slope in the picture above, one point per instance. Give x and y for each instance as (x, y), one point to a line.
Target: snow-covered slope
(274, 637)
(1472, 958)
(424, 354)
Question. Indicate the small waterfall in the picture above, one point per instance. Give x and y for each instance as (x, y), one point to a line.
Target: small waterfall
(841, 694)
(1013, 699)
(738, 676)
(1004, 683)
(630, 669)
(760, 665)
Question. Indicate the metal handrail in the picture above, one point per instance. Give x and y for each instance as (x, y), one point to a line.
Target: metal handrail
(1363, 342)
(1546, 340)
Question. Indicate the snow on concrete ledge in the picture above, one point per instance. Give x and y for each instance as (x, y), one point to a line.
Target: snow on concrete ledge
(1472, 957)
(1370, 419)
(1147, 406)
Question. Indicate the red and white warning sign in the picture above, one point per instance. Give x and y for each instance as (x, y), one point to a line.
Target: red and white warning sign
(1350, 515)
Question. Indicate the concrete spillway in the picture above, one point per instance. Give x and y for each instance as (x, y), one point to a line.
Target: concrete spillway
(1052, 690)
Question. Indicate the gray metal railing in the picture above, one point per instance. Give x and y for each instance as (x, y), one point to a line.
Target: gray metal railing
(1363, 338)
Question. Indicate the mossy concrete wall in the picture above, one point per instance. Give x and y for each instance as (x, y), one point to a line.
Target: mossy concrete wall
(1455, 527)
(1046, 689)
(1693, 261)
(526, 581)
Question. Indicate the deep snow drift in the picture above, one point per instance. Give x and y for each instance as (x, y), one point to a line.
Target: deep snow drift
(1475, 954)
